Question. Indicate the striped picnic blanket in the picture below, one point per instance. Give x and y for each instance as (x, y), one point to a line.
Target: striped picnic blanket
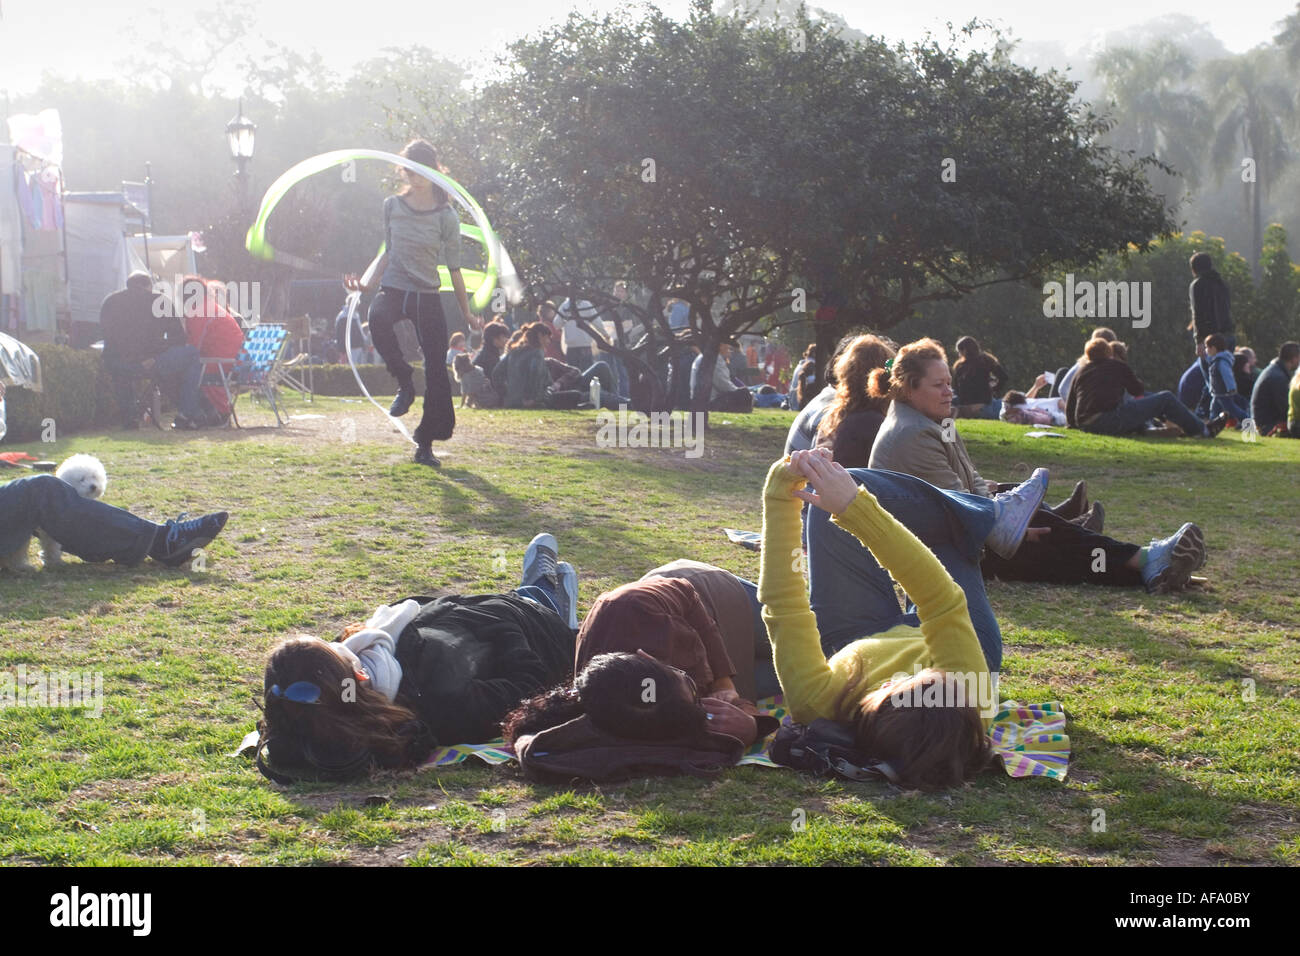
(1030, 739)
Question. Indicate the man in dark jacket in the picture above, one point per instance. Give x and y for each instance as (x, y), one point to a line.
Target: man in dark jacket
(143, 338)
(1211, 308)
(1268, 402)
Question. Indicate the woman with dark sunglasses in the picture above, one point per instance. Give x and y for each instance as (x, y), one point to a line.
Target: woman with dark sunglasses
(420, 673)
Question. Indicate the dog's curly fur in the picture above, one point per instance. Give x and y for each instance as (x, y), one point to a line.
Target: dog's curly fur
(86, 474)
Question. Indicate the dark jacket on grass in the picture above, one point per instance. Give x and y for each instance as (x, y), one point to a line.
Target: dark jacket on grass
(1268, 403)
(467, 661)
(1099, 388)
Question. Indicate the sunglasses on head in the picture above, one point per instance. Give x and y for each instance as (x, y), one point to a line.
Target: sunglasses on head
(300, 692)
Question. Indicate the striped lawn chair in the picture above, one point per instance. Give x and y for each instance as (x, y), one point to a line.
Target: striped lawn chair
(257, 369)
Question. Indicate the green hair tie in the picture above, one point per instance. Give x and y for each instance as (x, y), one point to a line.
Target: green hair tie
(889, 363)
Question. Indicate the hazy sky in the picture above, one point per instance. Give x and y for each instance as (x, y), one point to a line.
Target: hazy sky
(88, 38)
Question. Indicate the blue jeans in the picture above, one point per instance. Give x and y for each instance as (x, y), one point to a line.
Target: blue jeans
(541, 592)
(765, 682)
(1229, 405)
(177, 371)
(1133, 416)
(90, 529)
(610, 397)
(853, 596)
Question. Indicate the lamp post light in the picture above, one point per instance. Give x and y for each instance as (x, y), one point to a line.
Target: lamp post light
(239, 133)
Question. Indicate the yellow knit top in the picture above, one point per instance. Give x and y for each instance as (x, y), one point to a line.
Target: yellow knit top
(813, 685)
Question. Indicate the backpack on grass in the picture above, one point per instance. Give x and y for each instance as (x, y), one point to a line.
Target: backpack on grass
(826, 748)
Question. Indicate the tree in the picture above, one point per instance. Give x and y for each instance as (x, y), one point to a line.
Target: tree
(1253, 108)
(1155, 114)
(748, 168)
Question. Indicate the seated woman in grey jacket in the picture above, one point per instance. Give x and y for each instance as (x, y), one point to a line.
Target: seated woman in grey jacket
(919, 438)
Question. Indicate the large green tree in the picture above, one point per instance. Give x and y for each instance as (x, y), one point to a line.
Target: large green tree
(752, 167)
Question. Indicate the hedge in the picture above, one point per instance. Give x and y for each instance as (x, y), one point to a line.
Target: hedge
(77, 395)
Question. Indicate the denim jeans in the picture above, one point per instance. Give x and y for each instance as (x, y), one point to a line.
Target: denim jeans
(1229, 405)
(541, 592)
(177, 371)
(1133, 416)
(765, 680)
(610, 397)
(90, 529)
(853, 596)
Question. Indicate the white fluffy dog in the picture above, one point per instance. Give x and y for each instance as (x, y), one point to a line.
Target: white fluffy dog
(86, 474)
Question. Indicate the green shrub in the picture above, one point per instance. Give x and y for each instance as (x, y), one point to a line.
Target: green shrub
(77, 395)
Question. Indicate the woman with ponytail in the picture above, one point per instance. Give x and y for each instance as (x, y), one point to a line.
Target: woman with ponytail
(854, 417)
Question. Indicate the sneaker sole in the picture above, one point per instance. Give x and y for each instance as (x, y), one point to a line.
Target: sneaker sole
(1188, 555)
(569, 581)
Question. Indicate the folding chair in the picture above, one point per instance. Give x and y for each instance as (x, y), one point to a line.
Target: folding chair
(256, 370)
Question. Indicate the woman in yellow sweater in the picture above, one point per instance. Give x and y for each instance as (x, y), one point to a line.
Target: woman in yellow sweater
(921, 697)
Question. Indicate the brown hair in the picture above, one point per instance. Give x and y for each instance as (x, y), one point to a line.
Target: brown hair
(1217, 342)
(421, 151)
(1104, 333)
(928, 747)
(852, 373)
(1119, 350)
(908, 369)
(1095, 351)
(457, 339)
(349, 731)
(495, 328)
(530, 336)
(1014, 398)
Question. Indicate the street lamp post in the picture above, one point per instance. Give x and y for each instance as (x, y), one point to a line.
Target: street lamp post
(239, 133)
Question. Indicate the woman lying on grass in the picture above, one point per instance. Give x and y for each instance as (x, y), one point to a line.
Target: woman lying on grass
(420, 673)
(666, 673)
(931, 727)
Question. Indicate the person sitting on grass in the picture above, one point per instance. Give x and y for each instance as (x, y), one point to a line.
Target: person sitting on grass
(919, 438)
(1026, 408)
(1268, 402)
(1218, 373)
(92, 530)
(878, 681)
(853, 417)
(1095, 403)
(420, 673)
(724, 394)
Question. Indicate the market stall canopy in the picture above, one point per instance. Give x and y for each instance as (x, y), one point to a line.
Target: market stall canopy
(19, 365)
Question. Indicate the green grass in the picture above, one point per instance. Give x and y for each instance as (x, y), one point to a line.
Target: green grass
(1187, 765)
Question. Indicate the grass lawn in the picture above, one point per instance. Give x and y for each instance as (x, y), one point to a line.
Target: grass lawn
(1183, 709)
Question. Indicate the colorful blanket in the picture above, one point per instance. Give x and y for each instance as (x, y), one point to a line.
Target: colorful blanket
(1030, 739)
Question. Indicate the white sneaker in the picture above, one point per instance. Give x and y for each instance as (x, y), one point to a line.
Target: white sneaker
(1013, 510)
(567, 592)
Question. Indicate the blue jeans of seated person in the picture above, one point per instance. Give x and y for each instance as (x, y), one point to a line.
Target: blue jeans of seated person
(609, 394)
(853, 596)
(177, 370)
(1133, 416)
(90, 529)
(765, 682)
(1229, 405)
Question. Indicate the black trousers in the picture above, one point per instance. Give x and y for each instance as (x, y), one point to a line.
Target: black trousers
(1067, 555)
(424, 309)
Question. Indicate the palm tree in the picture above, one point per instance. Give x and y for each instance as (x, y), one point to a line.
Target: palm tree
(1253, 107)
(1289, 38)
(1155, 114)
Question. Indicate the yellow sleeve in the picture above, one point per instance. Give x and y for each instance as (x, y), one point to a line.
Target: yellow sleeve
(809, 685)
(940, 602)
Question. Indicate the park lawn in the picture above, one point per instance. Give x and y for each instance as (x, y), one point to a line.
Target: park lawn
(1183, 709)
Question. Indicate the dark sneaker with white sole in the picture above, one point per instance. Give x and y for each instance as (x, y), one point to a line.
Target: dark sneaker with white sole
(1170, 562)
(178, 539)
